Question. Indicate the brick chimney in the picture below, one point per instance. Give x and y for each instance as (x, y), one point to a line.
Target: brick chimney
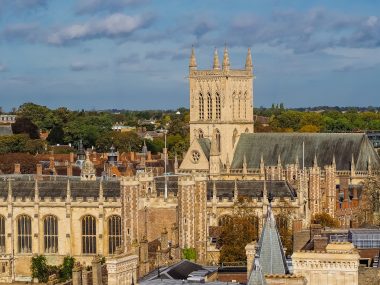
(69, 170)
(149, 155)
(71, 157)
(39, 169)
(320, 243)
(17, 168)
(315, 229)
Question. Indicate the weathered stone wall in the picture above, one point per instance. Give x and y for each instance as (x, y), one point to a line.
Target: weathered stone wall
(369, 276)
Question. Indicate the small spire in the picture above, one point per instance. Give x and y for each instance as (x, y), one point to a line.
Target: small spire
(279, 160)
(193, 61)
(262, 160)
(352, 162)
(216, 64)
(315, 164)
(226, 59)
(333, 161)
(297, 161)
(248, 61)
(214, 144)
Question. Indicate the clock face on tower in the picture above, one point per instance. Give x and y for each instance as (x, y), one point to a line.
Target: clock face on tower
(195, 156)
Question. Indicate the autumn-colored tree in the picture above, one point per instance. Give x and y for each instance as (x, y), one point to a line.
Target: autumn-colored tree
(237, 231)
(325, 220)
(370, 200)
(310, 129)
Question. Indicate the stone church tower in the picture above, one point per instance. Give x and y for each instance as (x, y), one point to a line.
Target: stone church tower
(221, 102)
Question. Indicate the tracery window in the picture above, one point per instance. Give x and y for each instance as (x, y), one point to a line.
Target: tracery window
(24, 234)
(114, 233)
(201, 107)
(217, 106)
(239, 105)
(200, 134)
(209, 106)
(2, 234)
(51, 234)
(88, 235)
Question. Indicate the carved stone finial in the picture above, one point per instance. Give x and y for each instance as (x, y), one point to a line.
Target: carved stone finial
(216, 65)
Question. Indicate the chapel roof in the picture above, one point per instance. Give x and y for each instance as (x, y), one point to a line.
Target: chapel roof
(289, 147)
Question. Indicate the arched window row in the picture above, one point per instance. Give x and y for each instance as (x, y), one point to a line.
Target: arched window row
(209, 100)
(50, 234)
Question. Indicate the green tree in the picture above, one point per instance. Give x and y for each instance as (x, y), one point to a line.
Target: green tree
(25, 126)
(122, 141)
(39, 268)
(66, 270)
(56, 135)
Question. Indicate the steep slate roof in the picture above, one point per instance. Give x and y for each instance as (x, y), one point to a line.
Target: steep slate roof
(206, 146)
(270, 257)
(289, 146)
(5, 130)
(249, 188)
(58, 189)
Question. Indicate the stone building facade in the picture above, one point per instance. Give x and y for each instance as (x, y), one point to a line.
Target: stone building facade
(325, 169)
(56, 217)
(338, 264)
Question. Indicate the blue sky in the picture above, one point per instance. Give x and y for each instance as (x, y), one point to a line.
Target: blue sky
(133, 54)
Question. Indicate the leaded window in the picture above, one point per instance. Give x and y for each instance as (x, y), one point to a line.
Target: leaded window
(114, 233)
(209, 107)
(201, 107)
(88, 235)
(24, 234)
(51, 234)
(217, 106)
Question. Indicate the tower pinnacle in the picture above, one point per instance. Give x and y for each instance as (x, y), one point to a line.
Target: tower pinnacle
(216, 65)
(193, 61)
(226, 59)
(248, 61)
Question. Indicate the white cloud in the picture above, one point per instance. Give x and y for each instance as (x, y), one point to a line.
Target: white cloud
(115, 25)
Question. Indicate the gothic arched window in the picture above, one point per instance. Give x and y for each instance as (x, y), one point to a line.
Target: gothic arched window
(239, 106)
(88, 235)
(234, 136)
(209, 106)
(218, 139)
(217, 106)
(51, 234)
(114, 233)
(200, 134)
(2, 234)
(24, 234)
(201, 107)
